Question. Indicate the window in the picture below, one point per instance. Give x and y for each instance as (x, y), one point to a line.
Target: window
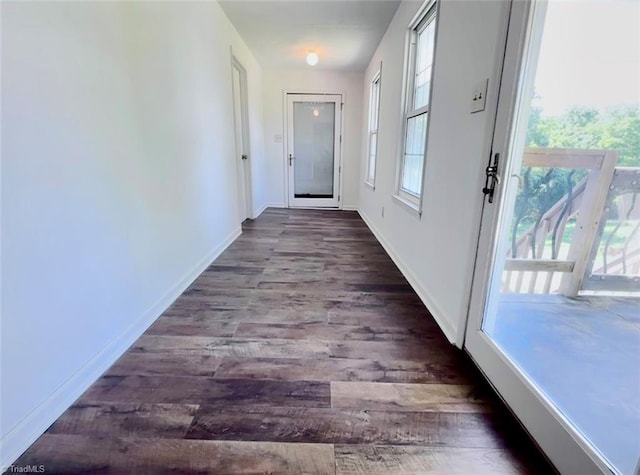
(374, 107)
(419, 74)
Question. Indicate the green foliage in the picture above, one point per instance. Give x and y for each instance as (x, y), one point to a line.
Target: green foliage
(540, 189)
(579, 128)
(620, 131)
(616, 129)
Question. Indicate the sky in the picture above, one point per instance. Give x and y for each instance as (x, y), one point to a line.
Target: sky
(590, 55)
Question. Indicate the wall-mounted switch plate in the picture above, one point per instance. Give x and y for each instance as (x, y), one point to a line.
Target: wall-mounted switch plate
(479, 98)
(277, 138)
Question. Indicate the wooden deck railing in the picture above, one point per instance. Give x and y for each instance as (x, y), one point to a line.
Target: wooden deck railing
(622, 273)
(527, 269)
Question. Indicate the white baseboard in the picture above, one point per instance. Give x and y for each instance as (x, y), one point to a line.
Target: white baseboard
(423, 293)
(260, 210)
(282, 205)
(25, 433)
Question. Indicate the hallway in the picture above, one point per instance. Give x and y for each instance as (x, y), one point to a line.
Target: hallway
(302, 349)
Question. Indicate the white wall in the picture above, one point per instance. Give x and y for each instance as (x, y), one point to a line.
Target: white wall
(436, 252)
(319, 81)
(118, 184)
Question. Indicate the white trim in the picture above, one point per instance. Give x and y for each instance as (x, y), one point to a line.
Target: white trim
(245, 165)
(285, 161)
(20, 437)
(411, 206)
(427, 13)
(276, 205)
(370, 185)
(419, 111)
(375, 85)
(567, 449)
(419, 16)
(350, 208)
(426, 296)
(410, 198)
(343, 113)
(260, 210)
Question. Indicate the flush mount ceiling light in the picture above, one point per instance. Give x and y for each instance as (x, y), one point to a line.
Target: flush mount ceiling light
(312, 58)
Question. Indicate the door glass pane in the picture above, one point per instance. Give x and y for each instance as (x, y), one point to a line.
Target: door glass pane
(313, 142)
(414, 154)
(564, 299)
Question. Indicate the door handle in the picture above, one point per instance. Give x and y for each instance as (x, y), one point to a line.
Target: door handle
(245, 157)
(291, 159)
(491, 178)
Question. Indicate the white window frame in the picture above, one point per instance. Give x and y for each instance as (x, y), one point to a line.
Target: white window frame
(425, 16)
(374, 120)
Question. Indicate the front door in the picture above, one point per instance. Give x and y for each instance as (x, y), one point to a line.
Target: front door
(313, 150)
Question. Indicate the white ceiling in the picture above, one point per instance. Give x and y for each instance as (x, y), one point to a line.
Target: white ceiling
(344, 33)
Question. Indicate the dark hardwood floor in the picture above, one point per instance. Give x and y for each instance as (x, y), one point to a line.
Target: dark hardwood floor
(301, 350)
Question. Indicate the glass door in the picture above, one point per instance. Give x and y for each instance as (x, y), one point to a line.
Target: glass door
(313, 150)
(554, 318)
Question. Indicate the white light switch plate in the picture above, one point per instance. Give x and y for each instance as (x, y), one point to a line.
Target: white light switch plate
(479, 97)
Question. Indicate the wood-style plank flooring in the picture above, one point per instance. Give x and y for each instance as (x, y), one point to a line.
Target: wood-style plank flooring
(301, 350)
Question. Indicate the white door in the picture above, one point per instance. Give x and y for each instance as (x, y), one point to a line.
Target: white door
(501, 273)
(313, 150)
(242, 139)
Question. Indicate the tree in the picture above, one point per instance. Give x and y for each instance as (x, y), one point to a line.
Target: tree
(581, 127)
(620, 131)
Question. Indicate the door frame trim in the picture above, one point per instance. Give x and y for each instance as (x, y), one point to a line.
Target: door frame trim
(285, 141)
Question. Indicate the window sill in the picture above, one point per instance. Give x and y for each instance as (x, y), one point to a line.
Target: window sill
(412, 208)
(370, 185)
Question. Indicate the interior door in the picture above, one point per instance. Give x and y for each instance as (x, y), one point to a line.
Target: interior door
(313, 150)
(242, 139)
(566, 446)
